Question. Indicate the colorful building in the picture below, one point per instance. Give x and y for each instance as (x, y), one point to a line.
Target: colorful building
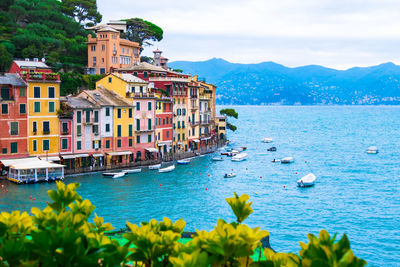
(194, 129)
(107, 51)
(66, 126)
(164, 131)
(13, 117)
(220, 128)
(29, 66)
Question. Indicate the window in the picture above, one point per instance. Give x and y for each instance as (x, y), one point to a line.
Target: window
(107, 112)
(192, 131)
(102, 71)
(51, 106)
(14, 147)
(130, 142)
(183, 124)
(110, 79)
(135, 73)
(159, 121)
(95, 129)
(36, 92)
(36, 107)
(5, 93)
(65, 127)
(130, 130)
(22, 108)
(119, 113)
(96, 116)
(99, 142)
(4, 108)
(22, 92)
(103, 47)
(34, 145)
(183, 111)
(149, 105)
(149, 138)
(149, 123)
(119, 130)
(51, 92)
(138, 124)
(79, 130)
(78, 116)
(158, 136)
(130, 113)
(119, 143)
(78, 145)
(107, 127)
(183, 136)
(179, 100)
(46, 127)
(46, 145)
(183, 101)
(145, 74)
(123, 50)
(137, 105)
(167, 134)
(14, 128)
(163, 121)
(87, 116)
(179, 124)
(107, 143)
(94, 61)
(138, 139)
(64, 143)
(179, 137)
(34, 127)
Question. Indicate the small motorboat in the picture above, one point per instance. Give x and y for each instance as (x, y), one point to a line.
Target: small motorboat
(267, 140)
(167, 169)
(228, 149)
(287, 160)
(183, 161)
(306, 181)
(372, 150)
(155, 167)
(272, 149)
(229, 175)
(240, 157)
(111, 174)
(118, 175)
(239, 149)
(132, 171)
(217, 159)
(276, 160)
(225, 153)
(244, 148)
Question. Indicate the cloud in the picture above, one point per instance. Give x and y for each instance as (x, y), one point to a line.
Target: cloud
(332, 33)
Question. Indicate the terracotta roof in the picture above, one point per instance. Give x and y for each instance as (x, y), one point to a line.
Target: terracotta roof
(144, 66)
(12, 79)
(105, 97)
(107, 29)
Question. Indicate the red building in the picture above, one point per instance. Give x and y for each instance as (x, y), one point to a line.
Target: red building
(27, 66)
(13, 117)
(164, 130)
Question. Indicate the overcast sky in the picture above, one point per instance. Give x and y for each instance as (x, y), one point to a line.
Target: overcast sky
(333, 33)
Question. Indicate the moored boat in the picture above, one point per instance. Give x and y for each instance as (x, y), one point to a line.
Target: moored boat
(155, 167)
(287, 160)
(307, 180)
(111, 174)
(240, 157)
(229, 175)
(372, 150)
(272, 149)
(217, 159)
(167, 169)
(132, 171)
(267, 140)
(183, 161)
(118, 175)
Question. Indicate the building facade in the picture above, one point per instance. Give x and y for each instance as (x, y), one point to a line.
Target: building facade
(164, 130)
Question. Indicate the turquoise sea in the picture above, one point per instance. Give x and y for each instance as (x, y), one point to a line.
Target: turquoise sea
(356, 193)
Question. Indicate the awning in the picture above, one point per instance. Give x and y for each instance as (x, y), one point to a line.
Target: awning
(206, 138)
(160, 144)
(179, 143)
(34, 163)
(98, 155)
(8, 162)
(119, 153)
(152, 149)
(196, 140)
(51, 158)
(73, 156)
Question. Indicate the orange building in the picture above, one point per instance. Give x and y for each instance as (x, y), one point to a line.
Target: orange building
(107, 51)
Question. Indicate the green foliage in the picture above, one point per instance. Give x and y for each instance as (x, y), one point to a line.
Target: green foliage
(5, 59)
(142, 31)
(61, 235)
(178, 70)
(231, 126)
(39, 28)
(229, 112)
(72, 82)
(82, 11)
(146, 59)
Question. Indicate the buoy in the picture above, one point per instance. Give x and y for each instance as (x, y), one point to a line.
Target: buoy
(206, 188)
(232, 169)
(208, 175)
(160, 184)
(34, 198)
(126, 180)
(200, 173)
(47, 202)
(7, 190)
(260, 176)
(190, 173)
(255, 193)
(283, 186)
(153, 180)
(205, 166)
(296, 172)
(30, 197)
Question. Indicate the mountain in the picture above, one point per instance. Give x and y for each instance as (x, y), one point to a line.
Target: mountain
(269, 83)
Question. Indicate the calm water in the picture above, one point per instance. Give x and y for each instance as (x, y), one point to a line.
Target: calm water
(356, 193)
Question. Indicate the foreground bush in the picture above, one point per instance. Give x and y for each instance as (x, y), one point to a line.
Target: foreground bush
(61, 235)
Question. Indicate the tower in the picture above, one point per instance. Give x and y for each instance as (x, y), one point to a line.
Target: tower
(157, 58)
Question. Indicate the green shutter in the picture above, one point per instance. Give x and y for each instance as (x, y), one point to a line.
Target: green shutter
(138, 139)
(22, 108)
(46, 145)
(64, 143)
(37, 107)
(34, 145)
(51, 106)
(14, 147)
(130, 130)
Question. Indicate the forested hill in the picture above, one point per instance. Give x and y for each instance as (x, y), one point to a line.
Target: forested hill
(272, 83)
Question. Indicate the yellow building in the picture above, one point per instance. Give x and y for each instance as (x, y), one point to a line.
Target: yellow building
(220, 128)
(43, 123)
(193, 103)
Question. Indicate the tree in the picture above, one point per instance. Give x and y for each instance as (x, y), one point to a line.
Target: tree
(82, 11)
(143, 31)
(230, 112)
(5, 59)
(146, 59)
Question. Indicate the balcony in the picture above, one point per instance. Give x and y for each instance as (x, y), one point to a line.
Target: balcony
(39, 76)
(144, 130)
(46, 131)
(204, 122)
(65, 132)
(139, 95)
(204, 97)
(194, 123)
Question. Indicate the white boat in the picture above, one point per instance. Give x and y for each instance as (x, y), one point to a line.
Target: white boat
(372, 150)
(240, 149)
(111, 174)
(118, 175)
(132, 171)
(307, 180)
(183, 161)
(267, 140)
(155, 167)
(287, 160)
(167, 169)
(217, 159)
(240, 157)
(229, 175)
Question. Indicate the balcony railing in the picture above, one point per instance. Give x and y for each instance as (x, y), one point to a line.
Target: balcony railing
(65, 132)
(204, 122)
(46, 131)
(194, 123)
(41, 76)
(136, 95)
(143, 130)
